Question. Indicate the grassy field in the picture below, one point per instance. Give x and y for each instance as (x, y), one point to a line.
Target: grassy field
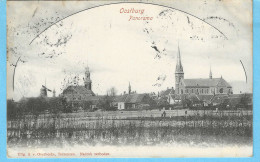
(150, 114)
(196, 127)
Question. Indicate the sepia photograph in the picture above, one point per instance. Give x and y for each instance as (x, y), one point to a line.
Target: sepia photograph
(115, 79)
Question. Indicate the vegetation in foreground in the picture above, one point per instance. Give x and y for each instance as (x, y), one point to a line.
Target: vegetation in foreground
(198, 130)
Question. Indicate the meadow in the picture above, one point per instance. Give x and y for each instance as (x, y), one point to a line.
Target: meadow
(147, 127)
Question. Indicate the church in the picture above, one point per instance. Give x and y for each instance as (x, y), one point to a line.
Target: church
(200, 86)
(80, 92)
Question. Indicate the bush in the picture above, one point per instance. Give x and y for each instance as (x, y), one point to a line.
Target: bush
(12, 109)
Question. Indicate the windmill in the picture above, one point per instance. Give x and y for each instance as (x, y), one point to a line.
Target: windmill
(44, 89)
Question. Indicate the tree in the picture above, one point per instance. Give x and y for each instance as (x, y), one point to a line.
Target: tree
(67, 108)
(12, 110)
(112, 91)
(187, 102)
(37, 105)
(106, 103)
(56, 105)
(245, 100)
(86, 105)
(163, 102)
(224, 103)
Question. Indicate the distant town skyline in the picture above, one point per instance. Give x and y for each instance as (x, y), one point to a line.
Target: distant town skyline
(118, 51)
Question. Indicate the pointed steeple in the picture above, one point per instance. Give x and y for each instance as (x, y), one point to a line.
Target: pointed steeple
(210, 73)
(179, 74)
(179, 68)
(129, 88)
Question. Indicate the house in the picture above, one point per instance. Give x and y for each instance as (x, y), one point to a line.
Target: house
(134, 101)
(205, 99)
(90, 102)
(119, 101)
(168, 95)
(192, 100)
(172, 99)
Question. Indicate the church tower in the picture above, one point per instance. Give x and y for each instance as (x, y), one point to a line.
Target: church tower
(179, 74)
(87, 80)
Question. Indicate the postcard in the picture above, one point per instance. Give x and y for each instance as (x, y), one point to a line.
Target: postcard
(91, 79)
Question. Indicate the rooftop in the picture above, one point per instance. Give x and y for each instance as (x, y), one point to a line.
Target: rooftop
(206, 82)
(79, 90)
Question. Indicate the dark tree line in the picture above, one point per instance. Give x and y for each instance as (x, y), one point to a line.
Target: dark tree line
(57, 105)
(36, 106)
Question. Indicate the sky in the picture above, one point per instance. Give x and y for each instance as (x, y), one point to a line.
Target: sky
(54, 47)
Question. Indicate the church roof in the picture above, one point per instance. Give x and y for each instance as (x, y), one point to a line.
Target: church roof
(131, 98)
(206, 82)
(121, 98)
(79, 90)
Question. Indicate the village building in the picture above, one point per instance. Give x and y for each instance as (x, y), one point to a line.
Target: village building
(133, 101)
(233, 100)
(199, 92)
(154, 95)
(167, 92)
(202, 86)
(82, 96)
(206, 100)
(80, 92)
(77, 93)
(44, 91)
(163, 98)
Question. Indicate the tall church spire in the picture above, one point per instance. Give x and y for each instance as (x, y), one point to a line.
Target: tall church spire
(179, 68)
(179, 74)
(210, 73)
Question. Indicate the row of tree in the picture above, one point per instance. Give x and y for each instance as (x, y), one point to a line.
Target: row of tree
(35, 106)
(242, 101)
(56, 105)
